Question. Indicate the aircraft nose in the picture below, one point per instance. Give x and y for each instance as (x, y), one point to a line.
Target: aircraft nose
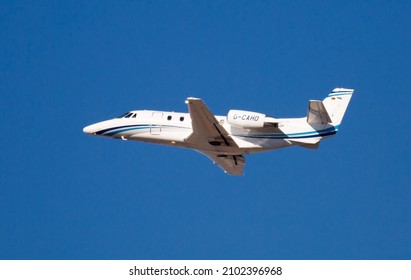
(90, 129)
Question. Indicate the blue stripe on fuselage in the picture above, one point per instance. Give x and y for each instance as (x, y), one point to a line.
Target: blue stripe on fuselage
(100, 132)
(139, 127)
(118, 129)
(309, 134)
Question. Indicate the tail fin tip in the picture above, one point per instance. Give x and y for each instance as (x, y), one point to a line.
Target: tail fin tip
(341, 91)
(336, 103)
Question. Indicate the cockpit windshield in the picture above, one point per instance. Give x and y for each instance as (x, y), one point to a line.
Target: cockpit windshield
(123, 115)
(127, 115)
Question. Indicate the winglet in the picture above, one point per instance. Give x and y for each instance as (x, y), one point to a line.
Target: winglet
(189, 99)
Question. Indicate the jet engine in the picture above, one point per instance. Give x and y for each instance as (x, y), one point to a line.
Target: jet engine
(247, 119)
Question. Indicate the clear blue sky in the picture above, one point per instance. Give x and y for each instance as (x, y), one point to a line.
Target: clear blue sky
(66, 195)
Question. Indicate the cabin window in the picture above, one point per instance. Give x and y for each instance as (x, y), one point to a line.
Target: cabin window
(181, 119)
(134, 115)
(128, 115)
(169, 118)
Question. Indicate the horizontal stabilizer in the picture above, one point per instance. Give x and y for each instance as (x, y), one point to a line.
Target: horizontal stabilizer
(317, 114)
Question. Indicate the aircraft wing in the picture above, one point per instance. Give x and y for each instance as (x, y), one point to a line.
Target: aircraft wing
(211, 139)
(206, 129)
(232, 165)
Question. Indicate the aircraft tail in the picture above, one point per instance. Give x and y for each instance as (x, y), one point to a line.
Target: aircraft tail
(332, 109)
(336, 104)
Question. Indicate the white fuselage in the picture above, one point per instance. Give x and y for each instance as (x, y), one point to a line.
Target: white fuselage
(173, 128)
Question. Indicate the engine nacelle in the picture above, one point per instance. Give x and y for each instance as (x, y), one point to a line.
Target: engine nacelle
(245, 119)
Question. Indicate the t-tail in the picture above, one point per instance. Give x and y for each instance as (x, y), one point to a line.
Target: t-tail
(332, 109)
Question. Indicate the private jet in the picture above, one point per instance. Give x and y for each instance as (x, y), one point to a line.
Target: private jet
(226, 139)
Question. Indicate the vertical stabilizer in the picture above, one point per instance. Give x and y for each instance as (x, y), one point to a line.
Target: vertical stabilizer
(336, 104)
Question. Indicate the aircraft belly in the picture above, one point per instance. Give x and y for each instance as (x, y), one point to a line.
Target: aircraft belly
(172, 138)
